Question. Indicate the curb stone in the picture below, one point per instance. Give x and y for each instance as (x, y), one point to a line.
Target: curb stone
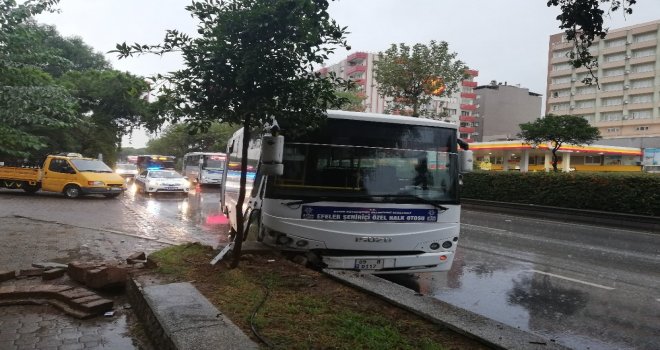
(178, 317)
(489, 332)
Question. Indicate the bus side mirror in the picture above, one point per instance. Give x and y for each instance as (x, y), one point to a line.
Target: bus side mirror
(465, 161)
(272, 150)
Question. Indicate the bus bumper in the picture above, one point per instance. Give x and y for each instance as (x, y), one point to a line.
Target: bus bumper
(390, 264)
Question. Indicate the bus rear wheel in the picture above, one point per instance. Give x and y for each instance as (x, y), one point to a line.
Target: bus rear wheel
(72, 191)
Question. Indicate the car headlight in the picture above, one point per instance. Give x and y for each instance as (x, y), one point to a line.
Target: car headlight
(95, 183)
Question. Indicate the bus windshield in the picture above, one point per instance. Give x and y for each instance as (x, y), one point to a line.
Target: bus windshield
(214, 162)
(366, 174)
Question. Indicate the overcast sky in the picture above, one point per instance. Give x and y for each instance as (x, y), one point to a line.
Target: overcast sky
(505, 40)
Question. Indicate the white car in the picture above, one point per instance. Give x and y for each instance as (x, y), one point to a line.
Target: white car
(161, 181)
(126, 170)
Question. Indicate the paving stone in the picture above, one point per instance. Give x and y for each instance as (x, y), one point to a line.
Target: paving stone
(76, 293)
(136, 256)
(31, 272)
(98, 306)
(90, 338)
(76, 346)
(53, 274)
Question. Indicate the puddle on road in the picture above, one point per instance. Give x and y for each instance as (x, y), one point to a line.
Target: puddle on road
(572, 314)
(195, 217)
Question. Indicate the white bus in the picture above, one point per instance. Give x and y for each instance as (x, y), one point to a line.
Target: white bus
(370, 192)
(204, 168)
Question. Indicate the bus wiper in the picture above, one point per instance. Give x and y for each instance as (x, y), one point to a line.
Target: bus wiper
(417, 198)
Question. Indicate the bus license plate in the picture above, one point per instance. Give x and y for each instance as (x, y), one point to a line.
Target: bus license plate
(368, 264)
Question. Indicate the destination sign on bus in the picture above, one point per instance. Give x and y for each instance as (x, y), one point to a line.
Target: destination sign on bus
(368, 214)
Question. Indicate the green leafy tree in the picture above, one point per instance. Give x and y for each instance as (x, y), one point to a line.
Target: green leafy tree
(354, 100)
(29, 96)
(111, 105)
(582, 21)
(253, 60)
(559, 130)
(412, 75)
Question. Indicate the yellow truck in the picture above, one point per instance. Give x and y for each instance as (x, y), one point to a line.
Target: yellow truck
(67, 173)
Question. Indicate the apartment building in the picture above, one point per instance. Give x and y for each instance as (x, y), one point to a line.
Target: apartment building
(457, 108)
(502, 108)
(627, 105)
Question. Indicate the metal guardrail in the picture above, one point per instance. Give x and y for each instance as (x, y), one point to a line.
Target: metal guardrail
(629, 221)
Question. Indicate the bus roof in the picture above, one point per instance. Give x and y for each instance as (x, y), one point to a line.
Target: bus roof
(389, 118)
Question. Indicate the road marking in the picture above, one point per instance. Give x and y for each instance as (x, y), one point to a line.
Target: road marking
(573, 279)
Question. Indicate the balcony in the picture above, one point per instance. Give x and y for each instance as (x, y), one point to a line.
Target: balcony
(472, 84)
(471, 95)
(350, 70)
(467, 118)
(472, 72)
(466, 129)
(357, 56)
(360, 81)
(467, 107)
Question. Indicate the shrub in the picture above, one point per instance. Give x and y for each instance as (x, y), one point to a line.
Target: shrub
(633, 193)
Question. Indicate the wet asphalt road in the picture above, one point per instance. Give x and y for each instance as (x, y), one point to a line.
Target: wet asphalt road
(584, 286)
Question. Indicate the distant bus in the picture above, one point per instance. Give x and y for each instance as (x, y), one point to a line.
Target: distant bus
(205, 168)
(154, 162)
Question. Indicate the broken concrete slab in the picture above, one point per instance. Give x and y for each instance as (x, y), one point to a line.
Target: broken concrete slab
(53, 274)
(136, 257)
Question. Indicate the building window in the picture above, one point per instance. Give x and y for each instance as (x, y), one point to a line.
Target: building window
(642, 68)
(641, 114)
(613, 87)
(465, 113)
(584, 90)
(585, 104)
(645, 37)
(641, 128)
(642, 83)
(611, 130)
(614, 101)
(611, 116)
(561, 93)
(613, 72)
(615, 42)
(648, 98)
(644, 52)
(464, 136)
(615, 57)
(561, 66)
(559, 107)
(561, 80)
(563, 53)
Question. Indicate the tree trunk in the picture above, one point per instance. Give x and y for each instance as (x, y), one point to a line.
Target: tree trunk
(415, 112)
(240, 224)
(554, 159)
